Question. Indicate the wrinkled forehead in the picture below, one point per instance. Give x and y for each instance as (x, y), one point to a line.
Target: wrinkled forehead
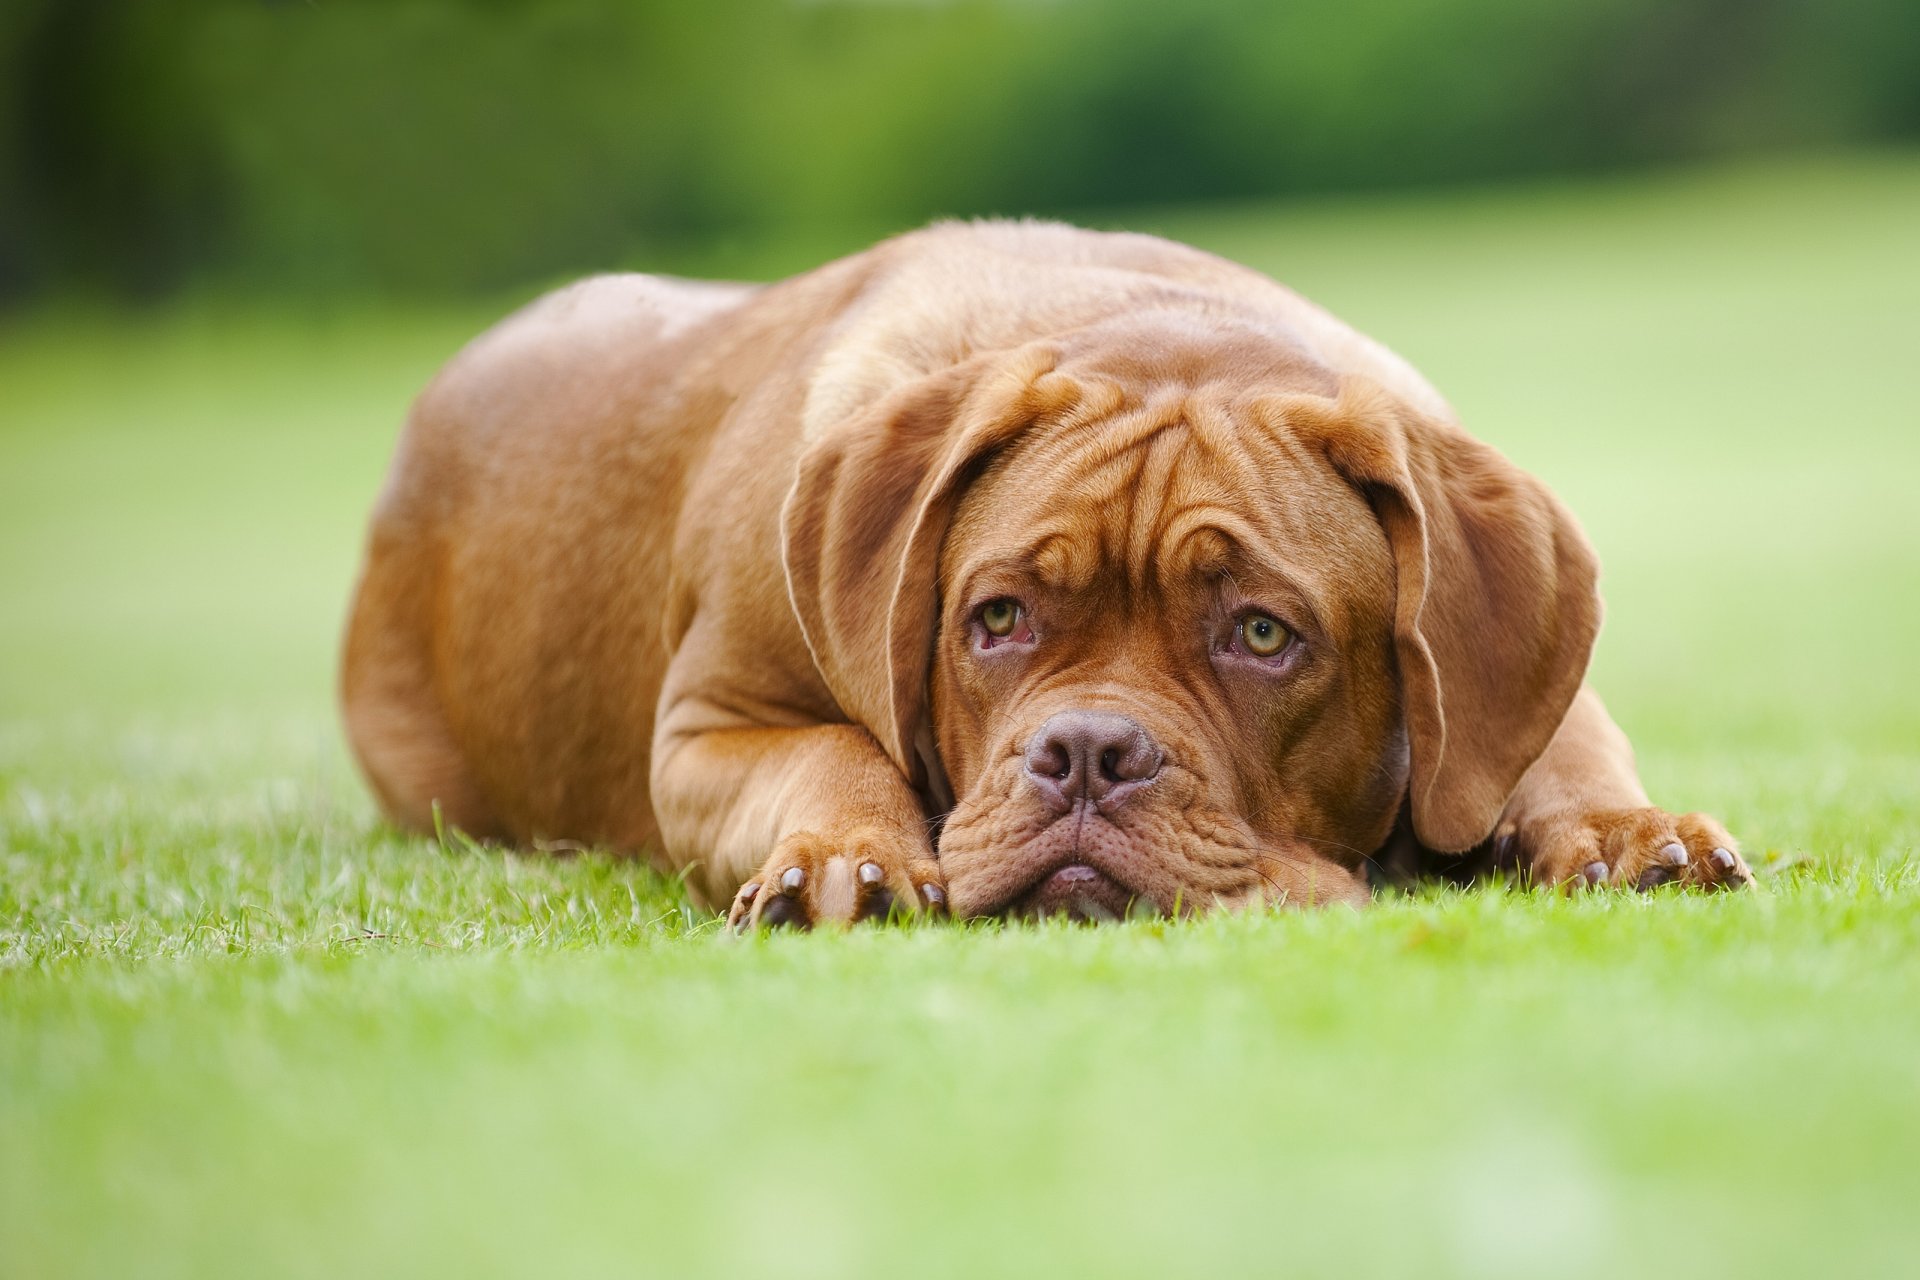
(1165, 496)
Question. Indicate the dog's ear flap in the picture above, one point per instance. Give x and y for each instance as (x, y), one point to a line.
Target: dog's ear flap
(862, 527)
(1496, 607)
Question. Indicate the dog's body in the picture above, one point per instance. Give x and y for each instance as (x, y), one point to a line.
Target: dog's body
(1153, 582)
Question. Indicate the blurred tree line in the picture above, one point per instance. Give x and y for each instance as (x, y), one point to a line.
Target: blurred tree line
(434, 145)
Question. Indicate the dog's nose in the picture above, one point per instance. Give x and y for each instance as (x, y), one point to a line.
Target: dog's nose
(1095, 755)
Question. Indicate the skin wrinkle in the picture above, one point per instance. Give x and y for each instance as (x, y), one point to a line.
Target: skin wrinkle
(1140, 551)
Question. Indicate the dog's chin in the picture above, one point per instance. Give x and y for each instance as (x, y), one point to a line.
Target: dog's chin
(1080, 866)
(1078, 892)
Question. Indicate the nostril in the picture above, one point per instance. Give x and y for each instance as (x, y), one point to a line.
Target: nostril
(1132, 758)
(1050, 767)
(1048, 757)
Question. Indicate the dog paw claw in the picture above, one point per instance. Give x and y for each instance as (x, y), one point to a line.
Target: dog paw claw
(1652, 878)
(782, 912)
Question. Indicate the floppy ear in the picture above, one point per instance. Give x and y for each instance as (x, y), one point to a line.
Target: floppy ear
(862, 527)
(1496, 605)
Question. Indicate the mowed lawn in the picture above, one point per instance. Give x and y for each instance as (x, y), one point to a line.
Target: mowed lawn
(245, 1030)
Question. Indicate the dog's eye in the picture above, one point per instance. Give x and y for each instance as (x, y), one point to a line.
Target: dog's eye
(1263, 634)
(1000, 617)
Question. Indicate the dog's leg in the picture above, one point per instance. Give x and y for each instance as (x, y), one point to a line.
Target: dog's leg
(1581, 817)
(799, 826)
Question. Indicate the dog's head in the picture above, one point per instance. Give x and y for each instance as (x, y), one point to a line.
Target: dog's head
(1170, 616)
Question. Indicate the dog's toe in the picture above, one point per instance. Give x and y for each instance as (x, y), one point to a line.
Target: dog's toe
(1715, 861)
(740, 914)
(1653, 877)
(1667, 864)
(783, 911)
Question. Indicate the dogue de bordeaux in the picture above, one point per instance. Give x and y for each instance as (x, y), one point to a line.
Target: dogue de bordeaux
(1005, 568)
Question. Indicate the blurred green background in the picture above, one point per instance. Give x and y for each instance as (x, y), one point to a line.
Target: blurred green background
(1665, 255)
(432, 146)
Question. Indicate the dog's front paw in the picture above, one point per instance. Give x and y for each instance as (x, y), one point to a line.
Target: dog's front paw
(812, 879)
(1632, 848)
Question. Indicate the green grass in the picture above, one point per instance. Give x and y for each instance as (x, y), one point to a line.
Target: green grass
(244, 1030)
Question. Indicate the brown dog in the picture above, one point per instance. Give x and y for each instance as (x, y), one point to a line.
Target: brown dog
(1010, 566)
